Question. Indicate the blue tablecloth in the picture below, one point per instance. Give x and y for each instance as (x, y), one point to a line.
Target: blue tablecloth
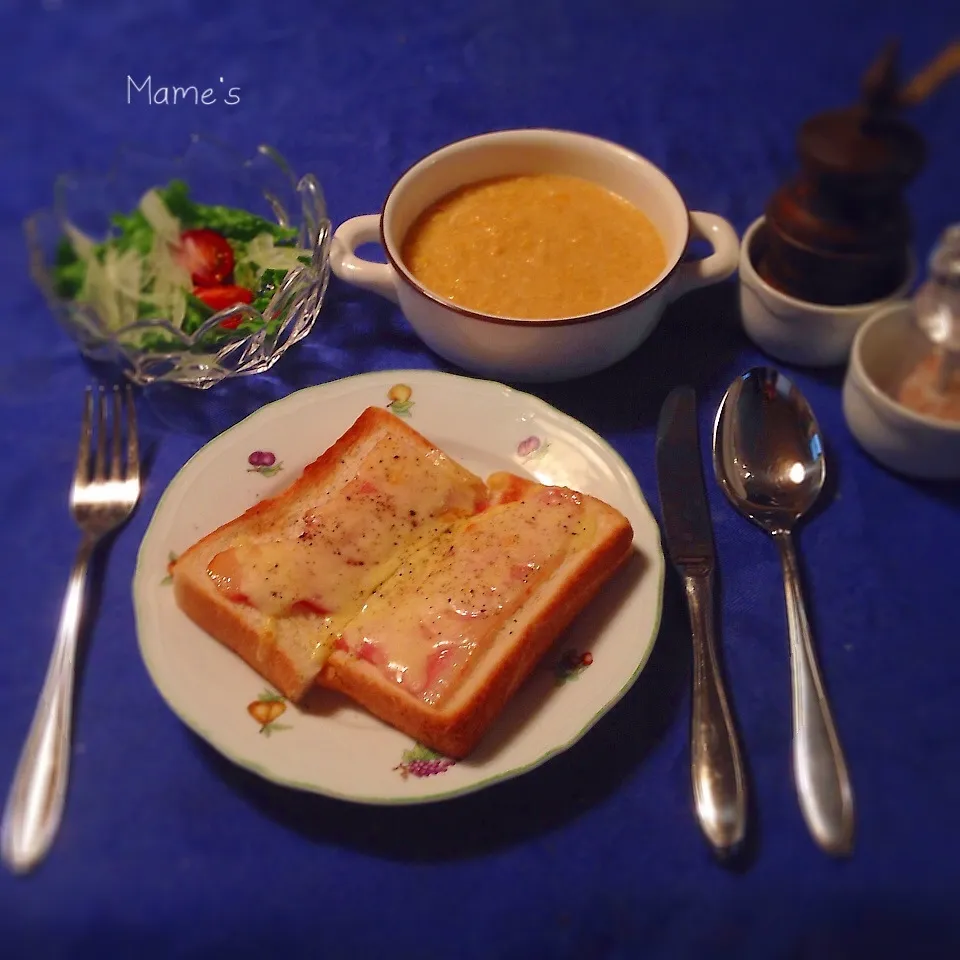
(167, 849)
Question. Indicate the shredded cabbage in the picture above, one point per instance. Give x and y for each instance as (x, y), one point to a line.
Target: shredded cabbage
(268, 256)
(165, 225)
(168, 282)
(100, 295)
(83, 245)
(123, 272)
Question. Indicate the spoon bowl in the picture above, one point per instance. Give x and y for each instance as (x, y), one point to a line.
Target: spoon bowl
(768, 459)
(768, 449)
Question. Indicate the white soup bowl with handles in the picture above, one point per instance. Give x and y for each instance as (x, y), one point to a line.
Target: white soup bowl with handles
(540, 350)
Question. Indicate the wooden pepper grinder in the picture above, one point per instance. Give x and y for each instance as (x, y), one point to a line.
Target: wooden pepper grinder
(840, 231)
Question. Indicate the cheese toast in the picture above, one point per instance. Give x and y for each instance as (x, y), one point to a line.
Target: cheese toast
(392, 574)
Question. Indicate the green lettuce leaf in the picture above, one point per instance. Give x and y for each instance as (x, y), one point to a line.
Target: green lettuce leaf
(68, 271)
(232, 223)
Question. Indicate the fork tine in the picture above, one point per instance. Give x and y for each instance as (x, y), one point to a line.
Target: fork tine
(133, 448)
(116, 462)
(82, 474)
(99, 467)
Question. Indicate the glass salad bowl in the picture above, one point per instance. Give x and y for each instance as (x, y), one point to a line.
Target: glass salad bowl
(186, 270)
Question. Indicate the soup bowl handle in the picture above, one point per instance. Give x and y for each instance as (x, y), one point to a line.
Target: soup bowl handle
(376, 277)
(717, 266)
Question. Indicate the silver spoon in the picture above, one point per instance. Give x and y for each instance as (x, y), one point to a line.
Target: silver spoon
(768, 458)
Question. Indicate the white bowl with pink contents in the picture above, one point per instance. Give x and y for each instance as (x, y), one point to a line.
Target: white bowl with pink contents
(889, 403)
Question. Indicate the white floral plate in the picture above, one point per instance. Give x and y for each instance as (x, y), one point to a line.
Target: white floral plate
(330, 746)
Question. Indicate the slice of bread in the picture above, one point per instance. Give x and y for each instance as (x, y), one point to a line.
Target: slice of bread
(276, 584)
(445, 642)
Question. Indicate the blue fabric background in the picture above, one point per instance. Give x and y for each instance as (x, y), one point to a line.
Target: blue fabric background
(168, 850)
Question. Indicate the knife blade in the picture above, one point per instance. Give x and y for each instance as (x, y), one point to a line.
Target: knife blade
(716, 768)
(683, 499)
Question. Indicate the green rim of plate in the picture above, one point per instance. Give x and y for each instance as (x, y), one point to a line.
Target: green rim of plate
(246, 764)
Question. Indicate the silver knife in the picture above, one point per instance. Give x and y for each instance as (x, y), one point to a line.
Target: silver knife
(719, 789)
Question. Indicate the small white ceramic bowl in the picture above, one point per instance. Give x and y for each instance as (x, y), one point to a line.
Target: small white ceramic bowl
(884, 349)
(534, 350)
(796, 331)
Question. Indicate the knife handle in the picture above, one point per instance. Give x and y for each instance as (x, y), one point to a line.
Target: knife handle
(719, 787)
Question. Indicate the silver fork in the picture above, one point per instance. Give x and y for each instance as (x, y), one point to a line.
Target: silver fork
(100, 501)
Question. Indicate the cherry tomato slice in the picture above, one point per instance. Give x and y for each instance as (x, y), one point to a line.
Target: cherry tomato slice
(219, 298)
(207, 255)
